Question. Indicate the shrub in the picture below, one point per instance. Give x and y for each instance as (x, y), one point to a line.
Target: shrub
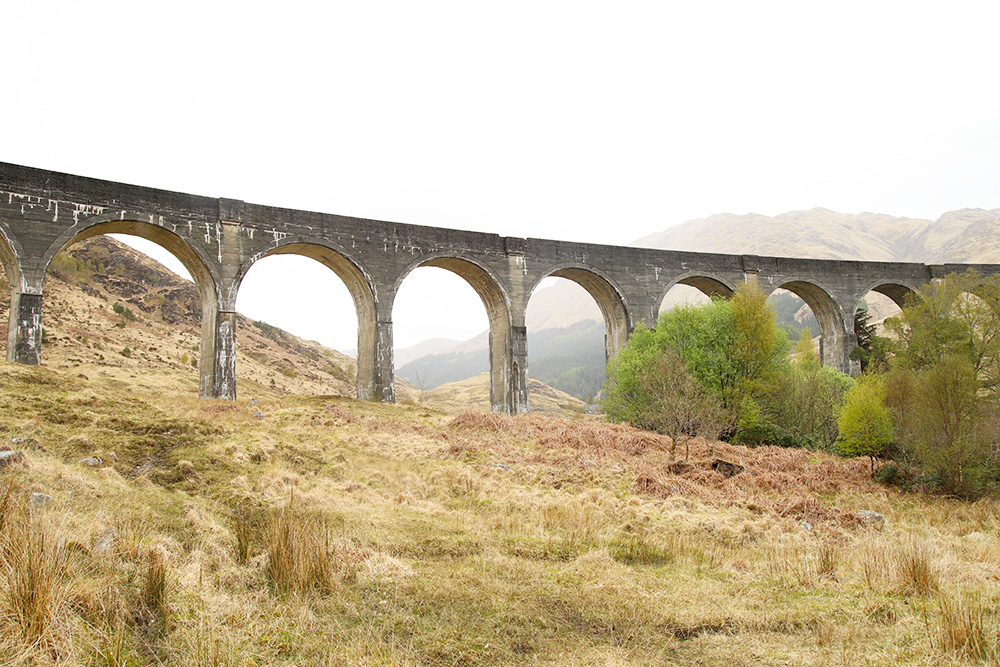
(123, 312)
(887, 474)
(865, 423)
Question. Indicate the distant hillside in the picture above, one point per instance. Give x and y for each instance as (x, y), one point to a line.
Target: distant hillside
(570, 359)
(403, 356)
(434, 370)
(968, 235)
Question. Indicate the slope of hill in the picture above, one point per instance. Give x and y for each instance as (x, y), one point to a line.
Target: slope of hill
(474, 393)
(112, 311)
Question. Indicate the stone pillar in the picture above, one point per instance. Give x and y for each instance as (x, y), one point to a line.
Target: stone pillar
(517, 401)
(383, 386)
(217, 369)
(836, 353)
(24, 328)
(367, 354)
(225, 356)
(509, 336)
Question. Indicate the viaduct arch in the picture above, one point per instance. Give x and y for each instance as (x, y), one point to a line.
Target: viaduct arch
(218, 240)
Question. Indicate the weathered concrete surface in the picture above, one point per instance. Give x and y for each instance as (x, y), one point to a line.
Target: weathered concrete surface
(219, 240)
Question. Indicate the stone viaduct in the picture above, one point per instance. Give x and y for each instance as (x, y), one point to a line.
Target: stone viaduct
(218, 240)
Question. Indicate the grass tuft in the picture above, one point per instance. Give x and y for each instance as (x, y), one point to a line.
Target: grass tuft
(303, 555)
(155, 588)
(968, 630)
(915, 567)
(33, 560)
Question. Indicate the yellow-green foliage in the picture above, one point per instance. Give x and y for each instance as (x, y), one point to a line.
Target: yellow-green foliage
(333, 532)
(865, 423)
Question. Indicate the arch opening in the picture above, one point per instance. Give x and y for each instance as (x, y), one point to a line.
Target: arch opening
(796, 318)
(870, 314)
(827, 317)
(301, 305)
(194, 264)
(885, 299)
(693, 290)
(609, 301)
(682, 295)
(566, 346)
(451, 324)
(112, 307)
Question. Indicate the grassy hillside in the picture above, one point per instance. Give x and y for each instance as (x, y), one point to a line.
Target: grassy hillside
(570, 359)
(474, 393)
(323, 531)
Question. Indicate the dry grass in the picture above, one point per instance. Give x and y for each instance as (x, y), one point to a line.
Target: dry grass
(33, 566)
(340, 533)
(969, 629)
(315, 530)
(303, 552)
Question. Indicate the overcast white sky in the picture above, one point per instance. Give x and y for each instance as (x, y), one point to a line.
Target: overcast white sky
(588, 121)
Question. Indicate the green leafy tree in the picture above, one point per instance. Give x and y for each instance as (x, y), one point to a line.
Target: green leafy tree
(703, 336)
(865, 422)
(730, 348)
(676, 404)
(955, 316)
(759, 347)
(805, 351)
(942, 389)
(955, 432)
(805, 402)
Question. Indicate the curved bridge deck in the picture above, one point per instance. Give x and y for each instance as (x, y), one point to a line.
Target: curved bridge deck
(218, 240)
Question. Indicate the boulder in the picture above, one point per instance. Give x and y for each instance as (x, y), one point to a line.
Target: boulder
(40, 499)
(10, 457)
(870, 518)
(727, 468)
